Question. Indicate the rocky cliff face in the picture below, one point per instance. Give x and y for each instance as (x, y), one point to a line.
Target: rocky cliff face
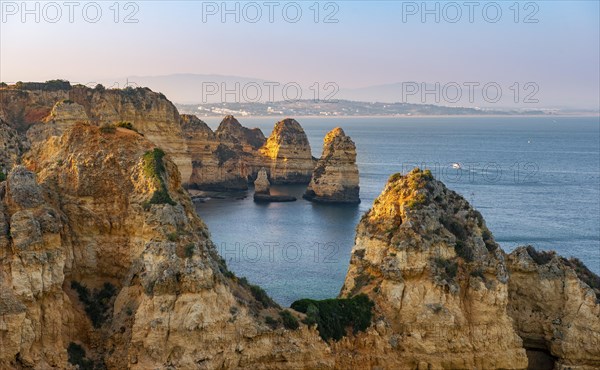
(335, 178)
(555, 309)
(215, 165)
(10, 147)
(231, 132)
(438, 280)
(288, 154)
(150, 113)
(104, 261)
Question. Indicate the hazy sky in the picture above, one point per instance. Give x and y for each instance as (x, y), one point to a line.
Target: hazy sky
(371, 44)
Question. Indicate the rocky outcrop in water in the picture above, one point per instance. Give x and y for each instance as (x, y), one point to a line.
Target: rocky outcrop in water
(438, 280)
(288, 154)
(230, 131)
(555, 305)
(216, 164)
(262, 190)
(335, 178)
(262, 184)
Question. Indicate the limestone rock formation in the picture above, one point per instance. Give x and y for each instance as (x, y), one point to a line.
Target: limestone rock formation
(215, 165)
(262, 184)
(438, 280)
(288, 154)
(555, 305)
(104, 262)
(232, 132)
(335, 178)
(262, 190)
(150, 113)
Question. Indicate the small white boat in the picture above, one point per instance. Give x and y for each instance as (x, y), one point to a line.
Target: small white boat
(456, 166)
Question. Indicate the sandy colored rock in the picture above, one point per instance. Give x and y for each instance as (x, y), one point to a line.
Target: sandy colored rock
(9, 147)
(335, 178)
(262, 184)
(152, 114)
(288, 154)
(438, 280)
(554, 310)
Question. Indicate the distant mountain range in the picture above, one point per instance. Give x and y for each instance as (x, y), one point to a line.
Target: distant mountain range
(216, 93)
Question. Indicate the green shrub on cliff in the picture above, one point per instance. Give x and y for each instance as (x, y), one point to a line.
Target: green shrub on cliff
(97, 302)
(289, 321)
(154, 168)
(78, 358)
(2, 176)
(108, 129)
(335, 316)
(126, 125)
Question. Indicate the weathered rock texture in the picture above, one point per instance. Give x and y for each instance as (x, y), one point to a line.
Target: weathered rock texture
(9, 147)
(100, 247)
(289, 154)
(60, 107)
(230, 131)
(335, 178)
(262, 184)
(215, 165)
(438, 280)
(554, 309)
(224, 160)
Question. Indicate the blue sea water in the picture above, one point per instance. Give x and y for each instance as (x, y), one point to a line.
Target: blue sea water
(536, 180)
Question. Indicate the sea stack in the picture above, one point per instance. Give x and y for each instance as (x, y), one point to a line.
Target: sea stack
(262, 190)
(288, 154)
(335, 179)
(262, 184)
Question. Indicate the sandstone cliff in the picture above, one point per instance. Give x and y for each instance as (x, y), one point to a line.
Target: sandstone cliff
(288, 154)
(438, 280)
(62, 105)
(104, 262)
(230, 131)
(215, 165)
(555, 309)
(335, 178)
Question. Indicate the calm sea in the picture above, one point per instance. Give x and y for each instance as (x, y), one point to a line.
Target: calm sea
(536, 180)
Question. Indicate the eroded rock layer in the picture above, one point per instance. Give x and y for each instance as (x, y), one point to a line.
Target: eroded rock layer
(288, 154)
(438, 280)
(335, 178)
(104, 262)
(59, 107)
(555, 309)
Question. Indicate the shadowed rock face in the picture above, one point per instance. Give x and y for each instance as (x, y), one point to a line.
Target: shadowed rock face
(288, 154)
(335, 178)
(230, 130)
(555, 309)
(9, 147)
(216, 164)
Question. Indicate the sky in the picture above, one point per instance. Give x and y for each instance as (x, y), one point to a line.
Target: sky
(356, 44)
